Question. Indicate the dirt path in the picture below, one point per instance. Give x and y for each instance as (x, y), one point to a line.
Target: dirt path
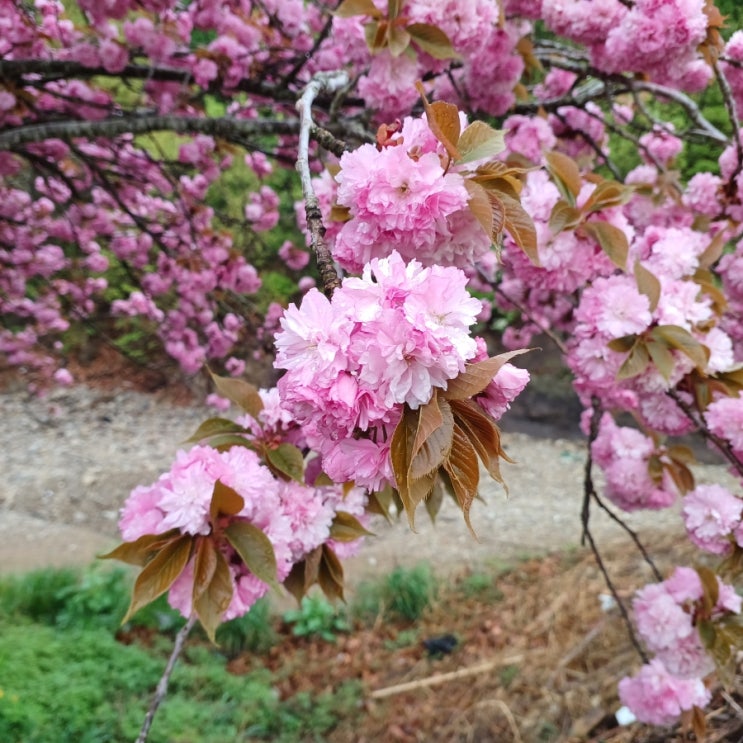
(70, 460)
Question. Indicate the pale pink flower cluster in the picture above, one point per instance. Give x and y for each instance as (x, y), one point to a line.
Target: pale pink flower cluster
(295, 517)
(734, 72)
(623, 454)
(401, 198)
(724, 417)
(666, 616)
(385, 339)
(712, 515)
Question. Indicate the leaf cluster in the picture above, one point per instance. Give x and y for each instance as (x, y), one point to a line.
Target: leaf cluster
(435, 448)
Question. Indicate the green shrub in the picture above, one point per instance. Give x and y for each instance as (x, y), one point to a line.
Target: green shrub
(316, 617)
(252, 632)
(403, 594)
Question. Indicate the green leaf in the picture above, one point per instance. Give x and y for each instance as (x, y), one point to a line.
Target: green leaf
(225, 441)
(464, 472)
(432, 40)
(648, 284)
(611, 239)
(242, 393)
(211, 603)
(566, 174)
(521, 228)
(349, 8)
(682, 340)
(375, 34)
(160, 573)
(347, 528)
(287, 459)
(476, 377)
(479, 141)
(142, 550)
(255, 549)
(225, 502)
(623, 344)
(214, 426)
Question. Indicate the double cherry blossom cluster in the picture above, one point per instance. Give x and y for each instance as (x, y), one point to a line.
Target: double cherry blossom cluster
(668, 616)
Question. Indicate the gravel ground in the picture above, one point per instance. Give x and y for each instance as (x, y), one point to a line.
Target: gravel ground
(70, 460)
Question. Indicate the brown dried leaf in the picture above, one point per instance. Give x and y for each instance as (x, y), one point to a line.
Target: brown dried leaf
(710, 586)
(160, 573)
(443, 121)
(205, 563)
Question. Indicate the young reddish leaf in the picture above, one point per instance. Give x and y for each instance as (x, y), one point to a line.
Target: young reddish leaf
(347, 528)
(340, 213)
(142, 550)
(607, 194)
(476, 377)
(393, 9)
(681, 339)
(214, 426)
(564, 217)
(713, 251)
(287, 460)
(304, 574)
(330, 574)
(565, 172)
(521, 228)
(623, 344)
(398, 40)
(434, 500)
(225, 502)
(160, 573)
(211, 604)
(648, 284)
(708, 284)
(662, 358)
(479, 141)
(242, 393)
(635, 363)
(710, 586)
(204, 565)
(443, 121)
(483, 434)
(349, 8)
(464, 472)
(255, 549)
(432, 440)
(480, 206)
(432, 40)
(681, 476)
(380, 503)
(611, 239)
(375, 34)
(682, 453)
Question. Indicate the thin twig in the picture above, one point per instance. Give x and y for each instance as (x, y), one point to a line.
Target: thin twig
(589, 494)
(328, 82)
(729, 99)
(724, 447)
(162, 684)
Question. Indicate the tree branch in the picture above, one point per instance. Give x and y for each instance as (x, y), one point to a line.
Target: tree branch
(329, 82)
